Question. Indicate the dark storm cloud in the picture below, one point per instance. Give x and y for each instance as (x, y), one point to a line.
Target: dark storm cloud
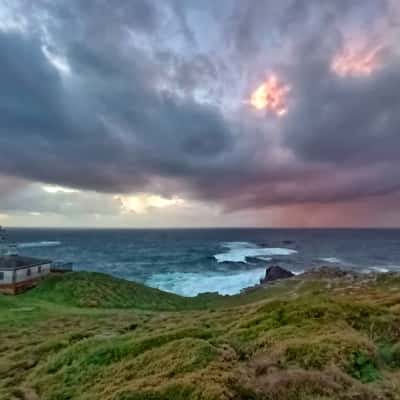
(336, 126)
(347, 121)
(106, 136)
(152, 92)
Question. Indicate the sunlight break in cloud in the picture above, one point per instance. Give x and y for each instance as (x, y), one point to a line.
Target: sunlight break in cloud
(58, 62)
(271, 95)
(58, 189)
(142, 203)
(356, 61)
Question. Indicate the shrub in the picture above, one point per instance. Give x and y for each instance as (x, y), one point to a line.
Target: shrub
(363, 367)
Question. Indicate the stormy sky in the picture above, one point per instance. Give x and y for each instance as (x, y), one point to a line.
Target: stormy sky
(177, 113)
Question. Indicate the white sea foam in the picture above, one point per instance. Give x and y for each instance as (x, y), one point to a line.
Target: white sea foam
(264, 258)
(332, 260)
(380, 269)
(389, 267)
(239, 251)
(386, 268)
(392, 267)
(191, 284)
(39, 244)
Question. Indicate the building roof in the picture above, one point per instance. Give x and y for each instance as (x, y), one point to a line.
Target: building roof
(11, 263)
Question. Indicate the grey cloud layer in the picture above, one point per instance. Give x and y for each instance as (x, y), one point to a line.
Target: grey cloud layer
(155, 100)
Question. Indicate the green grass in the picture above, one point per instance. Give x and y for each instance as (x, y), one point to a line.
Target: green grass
(90, 336)
(96, 290)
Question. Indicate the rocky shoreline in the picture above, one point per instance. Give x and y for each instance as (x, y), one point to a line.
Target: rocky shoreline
(332, 276)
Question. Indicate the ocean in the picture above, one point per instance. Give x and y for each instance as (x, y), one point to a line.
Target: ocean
(192, 261)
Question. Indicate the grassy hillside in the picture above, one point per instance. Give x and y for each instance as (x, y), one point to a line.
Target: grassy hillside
(90, 289)
(89, 336)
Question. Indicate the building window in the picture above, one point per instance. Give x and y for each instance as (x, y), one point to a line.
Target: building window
(28, 272)
(1, 276)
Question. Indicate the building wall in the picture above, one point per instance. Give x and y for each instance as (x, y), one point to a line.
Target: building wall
(7, 277)
(35, 272)
(24, 274)
(14, 282)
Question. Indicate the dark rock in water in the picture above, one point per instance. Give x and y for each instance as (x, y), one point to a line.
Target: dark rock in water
(288, 241)
(274, 273)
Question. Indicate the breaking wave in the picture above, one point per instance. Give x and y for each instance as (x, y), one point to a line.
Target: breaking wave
(191, 283)
(379, 269)
(239, 251)
(384, 268)
(332, 260)
(39, 244)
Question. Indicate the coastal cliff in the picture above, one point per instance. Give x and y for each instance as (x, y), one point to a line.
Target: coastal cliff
(325, 334)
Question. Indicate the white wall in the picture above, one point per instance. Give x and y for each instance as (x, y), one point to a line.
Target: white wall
(21, 274)
(7, 277)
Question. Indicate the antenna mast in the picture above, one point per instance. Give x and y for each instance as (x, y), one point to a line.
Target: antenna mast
(6, 249)
(3, 247)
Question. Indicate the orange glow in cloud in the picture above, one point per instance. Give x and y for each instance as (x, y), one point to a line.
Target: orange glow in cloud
(356, 61)
(271, 95)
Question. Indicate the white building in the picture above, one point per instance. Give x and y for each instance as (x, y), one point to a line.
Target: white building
(19, 273)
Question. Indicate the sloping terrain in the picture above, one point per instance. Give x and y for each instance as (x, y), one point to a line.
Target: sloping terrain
(89, 336)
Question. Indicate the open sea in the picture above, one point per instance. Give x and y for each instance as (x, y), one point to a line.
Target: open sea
(192, 261)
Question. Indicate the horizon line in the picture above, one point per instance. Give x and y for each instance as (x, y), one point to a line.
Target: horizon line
(206, 227)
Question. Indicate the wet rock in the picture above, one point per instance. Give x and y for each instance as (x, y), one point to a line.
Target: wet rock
(288, 241)
(276, 272)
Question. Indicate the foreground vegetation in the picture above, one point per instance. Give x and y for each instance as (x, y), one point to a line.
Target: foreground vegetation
(89, 336)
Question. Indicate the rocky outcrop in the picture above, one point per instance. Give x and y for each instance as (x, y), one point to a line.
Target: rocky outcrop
(325, 272)
(288, 242)
(274, 273)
